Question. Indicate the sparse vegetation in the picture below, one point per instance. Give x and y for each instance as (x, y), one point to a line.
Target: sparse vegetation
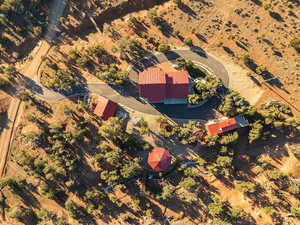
(95, 171)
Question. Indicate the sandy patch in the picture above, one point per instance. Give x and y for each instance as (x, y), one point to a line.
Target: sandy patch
(239, 81)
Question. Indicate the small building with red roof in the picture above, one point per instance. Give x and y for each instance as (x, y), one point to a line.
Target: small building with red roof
(224, 125)
(159, 159)
(158, 86)
(105, 108)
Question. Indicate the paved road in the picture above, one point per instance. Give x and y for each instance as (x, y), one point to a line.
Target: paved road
(127, 97)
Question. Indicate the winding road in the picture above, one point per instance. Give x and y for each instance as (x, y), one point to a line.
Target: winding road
(126, 97)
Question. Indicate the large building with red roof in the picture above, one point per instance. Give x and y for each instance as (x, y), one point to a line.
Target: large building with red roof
(158, 86)
(105, 108)
(224, 125)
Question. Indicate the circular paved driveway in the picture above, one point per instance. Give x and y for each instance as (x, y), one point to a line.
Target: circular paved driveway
(203, 112)
(198, 56)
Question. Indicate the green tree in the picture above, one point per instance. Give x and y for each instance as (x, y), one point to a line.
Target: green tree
(163, 48)
(295, 212)
(233, 104)
(295, 43)
(188, 41)
(294, 189)
(216, 208)
(247, 59)
(194, 99)
(189, 184)
(261, 70)
(224, 161)
(237, 213)
(112, 129)
(177, 2)
(10, 70)
(20, 213)
(131, 168)
(72, 208)
(270, 211)
(245, 186)
(229, 138)
(256, 131)
(274, 174)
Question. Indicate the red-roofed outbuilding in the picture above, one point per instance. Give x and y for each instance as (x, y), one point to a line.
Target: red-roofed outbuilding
(158, 86)
(105, 108)
(159, 159)
(224, 125)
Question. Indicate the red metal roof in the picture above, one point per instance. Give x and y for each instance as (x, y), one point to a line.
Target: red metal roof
(159, 159)
(105, 108)
(177, 84)
(178, 77)
(221, 126)
(156, 85)
(152, 75)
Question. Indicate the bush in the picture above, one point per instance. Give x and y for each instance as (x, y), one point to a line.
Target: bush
(236, 213)
(3, 82)
(270, 211)
(20, 213)
(267, 6)
(229, 139)
(220, 221)
(189, 184)
(113, 75)
(274, 174)
(261, 70)
(224, 161)
(295, 212)
(256, 131)
(245, 186)
(216, 208)
(177, 2)
(188, 41)
(194, 99)
(294, 189)
(247, 60)
(163, 48)
(211, 140)
(295, 43)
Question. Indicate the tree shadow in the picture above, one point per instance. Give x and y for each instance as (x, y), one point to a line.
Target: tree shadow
(28, 198)
(259, 198)
(112, 13)
(240, 45)
(276, 16)
(164, 27)
(257, 2)
(201, 38)
(186, 9)
(228, 51)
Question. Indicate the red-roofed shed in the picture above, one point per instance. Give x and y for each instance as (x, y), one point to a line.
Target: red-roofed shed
(221, 126)
(159, 159)
(105, 108)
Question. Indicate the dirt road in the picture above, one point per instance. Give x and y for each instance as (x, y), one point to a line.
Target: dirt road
(29, 70)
